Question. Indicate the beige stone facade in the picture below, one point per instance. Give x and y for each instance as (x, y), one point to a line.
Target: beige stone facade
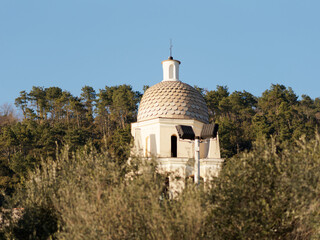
(163, 107)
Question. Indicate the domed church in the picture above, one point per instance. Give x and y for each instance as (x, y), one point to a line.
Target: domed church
(165, 108)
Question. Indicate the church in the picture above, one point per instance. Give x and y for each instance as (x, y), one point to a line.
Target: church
(164, 108)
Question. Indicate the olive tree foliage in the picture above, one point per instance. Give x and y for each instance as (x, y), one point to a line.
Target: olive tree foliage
(267, 194)
(261, 194)
(88, 190)
(86, 196)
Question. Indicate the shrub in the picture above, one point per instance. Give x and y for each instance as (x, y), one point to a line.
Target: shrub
(86, 196)
(262, 194)
(267, 194)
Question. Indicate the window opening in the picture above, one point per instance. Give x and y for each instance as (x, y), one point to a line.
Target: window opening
(173, 146)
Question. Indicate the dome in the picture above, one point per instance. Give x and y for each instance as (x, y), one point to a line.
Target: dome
(173, 99)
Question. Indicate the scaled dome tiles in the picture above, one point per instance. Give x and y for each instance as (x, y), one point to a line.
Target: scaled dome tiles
(172, 99)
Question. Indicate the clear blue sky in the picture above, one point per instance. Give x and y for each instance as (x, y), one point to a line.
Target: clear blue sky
(246, 45)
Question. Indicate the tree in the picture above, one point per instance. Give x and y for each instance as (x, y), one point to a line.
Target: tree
(267, 194)
(116, 107)
(88, 96)
(7, 114)
(87, 196)
(279, 113)
(145, 88)
(22, 102)
(37, 97)
(54, 104)
(234, 115)
(213, 99)
(78, 110)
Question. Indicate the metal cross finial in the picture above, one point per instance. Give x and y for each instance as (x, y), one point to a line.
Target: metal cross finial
(171, 48)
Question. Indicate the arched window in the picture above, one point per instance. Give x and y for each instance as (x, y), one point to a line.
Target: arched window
(173, 146)
(171, 71)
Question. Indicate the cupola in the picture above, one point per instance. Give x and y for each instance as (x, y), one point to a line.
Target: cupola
(172, 98)
(170, 69)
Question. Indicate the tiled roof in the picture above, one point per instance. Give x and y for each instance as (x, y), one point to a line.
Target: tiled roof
(172, 99)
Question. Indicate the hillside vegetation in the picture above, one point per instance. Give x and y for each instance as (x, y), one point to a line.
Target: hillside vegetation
(65, 163)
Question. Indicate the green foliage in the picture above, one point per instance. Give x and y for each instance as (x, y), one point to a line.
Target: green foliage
(118, 146)
(36, 223)
(213, 99)
(266, 194)
(117, 106)
(88, 96)
(233, 112)
(145, 88)
(280, 114)
(243, 118)
(53, 118)
(263, 194)
(86, 196)
(269, 191)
